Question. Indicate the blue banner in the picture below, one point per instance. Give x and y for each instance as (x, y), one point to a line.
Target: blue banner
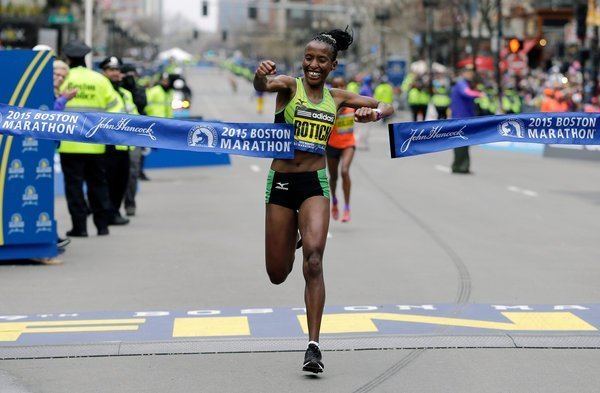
(28, 228)
(396, 71)
(409, 139)
(248, 139)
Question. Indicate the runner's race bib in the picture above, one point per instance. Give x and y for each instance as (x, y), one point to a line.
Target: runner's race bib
(345, 123)
(312, 129)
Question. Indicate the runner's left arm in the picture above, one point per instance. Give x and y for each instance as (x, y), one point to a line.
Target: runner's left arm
(367, 108)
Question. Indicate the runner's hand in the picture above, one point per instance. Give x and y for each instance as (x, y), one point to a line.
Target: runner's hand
(365, 115)
(266, 67)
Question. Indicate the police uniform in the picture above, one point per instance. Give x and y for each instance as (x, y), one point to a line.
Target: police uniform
(511, 102)
(441, 101)
(159, 101)
(418, 100)
(84, 162)
(135, 154)
(117, 157)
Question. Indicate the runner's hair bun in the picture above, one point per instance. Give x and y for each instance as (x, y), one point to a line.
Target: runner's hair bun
(340, 40)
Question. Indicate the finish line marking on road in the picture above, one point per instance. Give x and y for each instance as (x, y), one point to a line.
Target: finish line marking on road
(278, 323)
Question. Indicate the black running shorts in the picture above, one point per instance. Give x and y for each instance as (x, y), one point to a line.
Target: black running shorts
(291, 189)
(334, 152)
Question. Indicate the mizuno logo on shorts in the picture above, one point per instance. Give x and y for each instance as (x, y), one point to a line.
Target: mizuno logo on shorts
(282, 186)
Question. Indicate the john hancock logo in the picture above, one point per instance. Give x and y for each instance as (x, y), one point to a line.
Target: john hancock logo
(16, 224)
(30, 196)
(44, 169)
(512, 128)
(29, 144)
(202, 136)
(16, 170)
(107, 124)
(43, 223)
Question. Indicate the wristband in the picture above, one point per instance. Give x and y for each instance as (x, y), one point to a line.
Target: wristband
(379, 115)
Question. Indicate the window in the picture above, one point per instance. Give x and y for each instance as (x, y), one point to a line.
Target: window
(205, 8)
(252, 12)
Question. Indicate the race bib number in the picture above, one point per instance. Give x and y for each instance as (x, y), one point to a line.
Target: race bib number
(312, 126)
(345, 123)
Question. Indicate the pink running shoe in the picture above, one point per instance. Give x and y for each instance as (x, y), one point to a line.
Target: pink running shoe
(335, 213)
(346, 216)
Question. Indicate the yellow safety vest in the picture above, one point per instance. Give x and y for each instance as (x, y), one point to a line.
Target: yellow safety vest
(95, 93)
(159, 102)
(353, 87)
(418, 97)
(440, 98)
(126, 105)
(384, 92)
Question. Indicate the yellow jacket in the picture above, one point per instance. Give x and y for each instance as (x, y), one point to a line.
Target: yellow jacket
(95, 93)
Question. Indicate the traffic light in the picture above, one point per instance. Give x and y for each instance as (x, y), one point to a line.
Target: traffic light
(514, 45)
(580, 16)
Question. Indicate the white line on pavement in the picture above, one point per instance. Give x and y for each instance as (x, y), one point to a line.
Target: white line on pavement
(442, 168)
(254, 168)
(522, 191)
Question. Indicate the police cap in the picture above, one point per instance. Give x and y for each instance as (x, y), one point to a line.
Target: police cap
(128, 67)
(111, 62)
(76, 49)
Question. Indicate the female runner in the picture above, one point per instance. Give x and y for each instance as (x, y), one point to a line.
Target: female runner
(297, 195)
(341, 147)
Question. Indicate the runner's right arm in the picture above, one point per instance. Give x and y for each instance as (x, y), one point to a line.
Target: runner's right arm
(265, 79)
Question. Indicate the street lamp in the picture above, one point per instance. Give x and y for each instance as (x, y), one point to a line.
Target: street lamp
(499, 39)
(429, 6)
(382, 15)
(356, 26)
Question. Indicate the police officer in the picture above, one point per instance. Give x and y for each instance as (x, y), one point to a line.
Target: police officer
(511, 101)
(117, 157)
(159, 101)
(440, 99)
(418, 100)
(160, 98)
(84, 162)
(384, 92)
(130, 82)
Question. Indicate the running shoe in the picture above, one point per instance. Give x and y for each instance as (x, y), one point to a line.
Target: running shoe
(335, 213)
(346, 216)
(62, 242)
(312, 360)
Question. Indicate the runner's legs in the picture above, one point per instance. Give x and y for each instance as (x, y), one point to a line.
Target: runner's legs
(313, 220)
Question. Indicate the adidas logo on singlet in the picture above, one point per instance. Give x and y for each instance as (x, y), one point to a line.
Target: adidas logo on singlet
(323, 116)
(316, 115)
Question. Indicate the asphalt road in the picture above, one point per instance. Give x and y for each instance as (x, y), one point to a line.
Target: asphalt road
(523, 230)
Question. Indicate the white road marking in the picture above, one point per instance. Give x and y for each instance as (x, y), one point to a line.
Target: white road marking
(442, 168)
(523, 191)
(254, 168)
